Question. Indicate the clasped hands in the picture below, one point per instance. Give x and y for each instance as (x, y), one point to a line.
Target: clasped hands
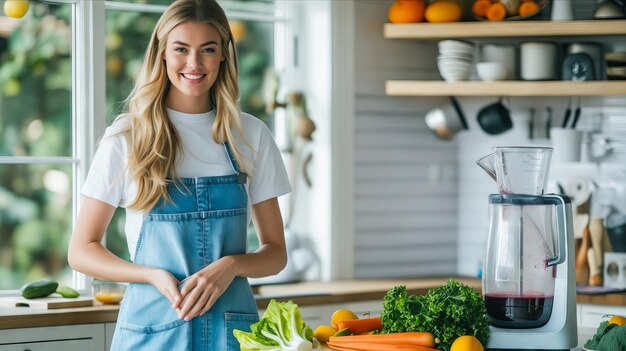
(199, 291)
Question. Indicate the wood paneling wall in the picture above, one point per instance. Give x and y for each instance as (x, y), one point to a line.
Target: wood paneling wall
(405, 179)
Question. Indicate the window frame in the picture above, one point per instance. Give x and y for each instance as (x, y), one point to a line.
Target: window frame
(96, 93)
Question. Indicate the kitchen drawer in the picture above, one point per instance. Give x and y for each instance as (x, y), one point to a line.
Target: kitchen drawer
(65, 345)
(68, 337)
(592, 315)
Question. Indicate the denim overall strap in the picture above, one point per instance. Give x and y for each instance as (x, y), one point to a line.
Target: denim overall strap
(242, 176)
(205, 220)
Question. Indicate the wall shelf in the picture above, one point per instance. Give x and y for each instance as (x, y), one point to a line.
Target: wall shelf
(504, 29)
(504, 88)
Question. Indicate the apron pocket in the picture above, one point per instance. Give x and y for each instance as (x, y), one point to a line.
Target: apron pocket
(150, 329)
(174, 335)
(145, 310)
(241, 321)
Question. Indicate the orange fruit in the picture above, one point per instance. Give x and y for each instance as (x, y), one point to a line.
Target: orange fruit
(341, 315)
(323, 333)
(496, 12)
(16, 8)
(528, 8)
(406, 11)
(466, 343)
(479, 8)
(619, 320)
(443, 11)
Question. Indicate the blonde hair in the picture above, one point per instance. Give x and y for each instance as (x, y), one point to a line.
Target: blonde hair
(155, 143)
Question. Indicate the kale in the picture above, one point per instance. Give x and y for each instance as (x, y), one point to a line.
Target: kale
(614, 340)
(603, 329)
(448, 311)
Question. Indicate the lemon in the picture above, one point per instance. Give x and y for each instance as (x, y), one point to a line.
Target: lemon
(16, 8)
(443, 11)
(619, 320)
(466, 343)
(323, 333)
(341, 315)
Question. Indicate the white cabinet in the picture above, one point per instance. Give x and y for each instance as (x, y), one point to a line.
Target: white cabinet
(67, 338)
(65, 345)
(109, 328)
(591, 315)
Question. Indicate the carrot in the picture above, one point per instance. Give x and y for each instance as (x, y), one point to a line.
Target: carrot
(360, 346)
(358, 326)
(424, 339)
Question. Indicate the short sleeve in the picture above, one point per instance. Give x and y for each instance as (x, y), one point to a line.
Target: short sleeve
(107, 175)
(269, 177)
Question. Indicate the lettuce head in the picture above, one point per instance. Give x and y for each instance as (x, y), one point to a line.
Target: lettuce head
(280, 328)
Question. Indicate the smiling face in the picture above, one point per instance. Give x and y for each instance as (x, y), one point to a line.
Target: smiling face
(193, 55)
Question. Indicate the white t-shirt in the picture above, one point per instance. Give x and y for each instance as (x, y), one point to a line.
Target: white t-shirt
(109, 180)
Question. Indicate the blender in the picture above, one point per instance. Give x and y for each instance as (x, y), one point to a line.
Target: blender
(528, 274)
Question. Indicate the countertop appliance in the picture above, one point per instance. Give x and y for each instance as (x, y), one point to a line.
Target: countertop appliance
(528, 273)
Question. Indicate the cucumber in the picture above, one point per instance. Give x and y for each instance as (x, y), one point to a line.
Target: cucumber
(39, 288)
(68, 292)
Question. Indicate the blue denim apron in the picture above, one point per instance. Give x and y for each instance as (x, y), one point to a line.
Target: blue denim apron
(206, 220)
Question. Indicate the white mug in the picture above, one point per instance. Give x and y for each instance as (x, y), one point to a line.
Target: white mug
(567, 144)
(501, 53)
(562, 10)
(538, 60)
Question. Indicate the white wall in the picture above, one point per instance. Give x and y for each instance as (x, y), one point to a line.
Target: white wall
(405, 180)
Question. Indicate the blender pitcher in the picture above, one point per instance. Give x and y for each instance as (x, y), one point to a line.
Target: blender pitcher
(524, 244)
(526, 237)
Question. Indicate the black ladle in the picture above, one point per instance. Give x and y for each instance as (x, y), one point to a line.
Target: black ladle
(568, 112)
(576, 115)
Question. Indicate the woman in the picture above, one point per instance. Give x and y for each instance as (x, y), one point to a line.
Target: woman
(179, 161)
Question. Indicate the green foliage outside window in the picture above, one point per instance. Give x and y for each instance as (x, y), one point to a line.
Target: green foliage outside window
(35, 120)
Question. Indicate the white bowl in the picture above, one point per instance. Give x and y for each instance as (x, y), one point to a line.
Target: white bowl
(455, 76)
(458, 56)
(456, 45)
(489, 71)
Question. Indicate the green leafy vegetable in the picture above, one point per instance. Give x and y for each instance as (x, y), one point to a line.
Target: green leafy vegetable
(280, 328)
(614, 340)
(448, 311)
(608, 337)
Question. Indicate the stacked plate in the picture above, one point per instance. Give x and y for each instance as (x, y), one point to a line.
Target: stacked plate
(455, 59)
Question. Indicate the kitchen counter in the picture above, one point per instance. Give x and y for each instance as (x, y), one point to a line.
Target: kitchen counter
(304, 294)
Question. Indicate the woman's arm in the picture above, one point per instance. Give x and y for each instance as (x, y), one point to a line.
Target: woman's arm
(202, 289)
(271, 257)
(87, 255)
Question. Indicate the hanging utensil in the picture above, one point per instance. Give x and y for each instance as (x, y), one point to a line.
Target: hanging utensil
(568, 112)
(531, 124)
(577, 113)
(548, 124)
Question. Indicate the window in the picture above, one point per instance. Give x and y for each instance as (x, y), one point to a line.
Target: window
(48, 132)
(36, 143)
